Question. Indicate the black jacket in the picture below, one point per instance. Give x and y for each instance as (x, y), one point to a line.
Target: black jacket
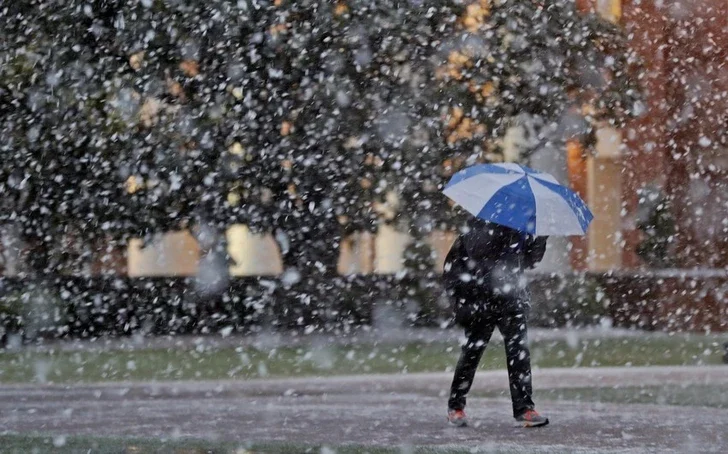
(489, 260)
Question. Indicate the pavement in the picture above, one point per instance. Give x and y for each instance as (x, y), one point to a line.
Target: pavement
(377, 410)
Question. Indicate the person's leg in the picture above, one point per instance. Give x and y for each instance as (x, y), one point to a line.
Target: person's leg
(478, 335)
(518, 357)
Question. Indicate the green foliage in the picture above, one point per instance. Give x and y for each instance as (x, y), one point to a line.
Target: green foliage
(306, 360)
(659, 229)
(566, 301)
(300, 117)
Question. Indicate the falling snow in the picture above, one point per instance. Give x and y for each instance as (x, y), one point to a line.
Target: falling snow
(251, 191)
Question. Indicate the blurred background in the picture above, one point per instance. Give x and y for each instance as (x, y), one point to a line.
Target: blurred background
(235, 207)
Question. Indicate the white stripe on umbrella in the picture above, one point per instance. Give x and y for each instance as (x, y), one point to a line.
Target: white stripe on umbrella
(554, 216)
(544, 177)
(473, 192)
(512, 166)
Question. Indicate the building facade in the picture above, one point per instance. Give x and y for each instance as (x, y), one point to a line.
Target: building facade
(677, 151)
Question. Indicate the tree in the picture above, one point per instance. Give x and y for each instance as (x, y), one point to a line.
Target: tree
(498, 62)
(294, 117)
(60, 132)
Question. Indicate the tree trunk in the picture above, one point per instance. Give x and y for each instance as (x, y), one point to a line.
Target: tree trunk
(310, 245)
(37, 256)
(310, 253)
(10, 251)
(213, 274)
(110, 258)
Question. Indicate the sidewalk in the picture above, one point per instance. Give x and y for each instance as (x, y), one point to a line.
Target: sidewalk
(375, 410)
(428, 382)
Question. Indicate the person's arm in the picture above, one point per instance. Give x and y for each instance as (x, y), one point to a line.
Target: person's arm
(535, 248)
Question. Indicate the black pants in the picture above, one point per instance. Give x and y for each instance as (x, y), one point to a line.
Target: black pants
(511, 321)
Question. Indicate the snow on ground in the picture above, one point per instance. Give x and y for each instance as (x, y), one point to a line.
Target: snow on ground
(384, 410)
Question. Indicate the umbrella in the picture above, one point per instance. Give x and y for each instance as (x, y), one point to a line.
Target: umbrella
(520, 198)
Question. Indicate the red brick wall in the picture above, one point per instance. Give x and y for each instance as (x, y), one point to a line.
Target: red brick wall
(644, 161)
(698, 91)
(667, 300)
(683, 138)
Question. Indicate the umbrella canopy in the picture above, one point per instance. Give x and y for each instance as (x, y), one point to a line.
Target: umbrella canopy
(520, 198)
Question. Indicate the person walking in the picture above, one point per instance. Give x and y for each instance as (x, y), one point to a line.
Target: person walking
(483, 275)
(515, 209)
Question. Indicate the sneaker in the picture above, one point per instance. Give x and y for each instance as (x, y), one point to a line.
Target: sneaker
(457, 418)
(531, 418)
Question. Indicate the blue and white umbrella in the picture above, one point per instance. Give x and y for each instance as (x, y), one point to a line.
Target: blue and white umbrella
(520, 198)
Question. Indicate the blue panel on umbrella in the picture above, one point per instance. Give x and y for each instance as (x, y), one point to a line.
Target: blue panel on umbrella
(514, 206)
